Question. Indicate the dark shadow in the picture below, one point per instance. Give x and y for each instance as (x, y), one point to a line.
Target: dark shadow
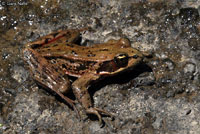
(121, 78)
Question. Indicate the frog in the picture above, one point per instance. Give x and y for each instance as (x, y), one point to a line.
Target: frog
(53, 58)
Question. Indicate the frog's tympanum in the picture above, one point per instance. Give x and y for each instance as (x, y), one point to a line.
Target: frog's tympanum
(53, 57)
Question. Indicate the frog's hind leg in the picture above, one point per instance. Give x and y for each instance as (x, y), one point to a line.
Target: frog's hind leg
(48, 75)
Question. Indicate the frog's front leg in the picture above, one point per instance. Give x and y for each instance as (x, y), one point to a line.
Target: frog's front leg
(80, 89)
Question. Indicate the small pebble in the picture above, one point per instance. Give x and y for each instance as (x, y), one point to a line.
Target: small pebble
(189, 68)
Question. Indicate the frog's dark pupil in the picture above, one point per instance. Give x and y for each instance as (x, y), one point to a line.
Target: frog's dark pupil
(121, 60)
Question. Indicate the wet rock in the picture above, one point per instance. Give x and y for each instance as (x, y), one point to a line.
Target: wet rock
(188, 15)
(145, 80)
(10, 91)
(189, 68)
(170, 93)
(163, 55)
(95, 128)
(5, 55)
(194, 44)
(158, 123)
(19, 73)
(169, 64)
(188, 112)
(191, 88)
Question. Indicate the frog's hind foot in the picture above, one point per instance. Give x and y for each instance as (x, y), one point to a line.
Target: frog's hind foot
(97, 111)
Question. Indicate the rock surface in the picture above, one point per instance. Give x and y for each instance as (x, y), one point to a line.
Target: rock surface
(161, 96)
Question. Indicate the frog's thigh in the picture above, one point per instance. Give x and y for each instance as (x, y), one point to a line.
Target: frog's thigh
(45, 73)
(80, 89)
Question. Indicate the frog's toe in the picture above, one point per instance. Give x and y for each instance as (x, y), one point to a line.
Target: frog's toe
(104, 112)
(95, 112)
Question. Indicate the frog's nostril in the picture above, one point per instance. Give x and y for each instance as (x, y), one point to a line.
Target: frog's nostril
(135, 56)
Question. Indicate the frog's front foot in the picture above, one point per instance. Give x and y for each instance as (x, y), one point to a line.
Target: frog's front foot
(80, 90)
(97, 111)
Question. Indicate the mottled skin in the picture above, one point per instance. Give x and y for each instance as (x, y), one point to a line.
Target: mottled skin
(56, 55)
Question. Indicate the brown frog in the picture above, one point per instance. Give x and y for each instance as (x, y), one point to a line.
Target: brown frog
(56, 55)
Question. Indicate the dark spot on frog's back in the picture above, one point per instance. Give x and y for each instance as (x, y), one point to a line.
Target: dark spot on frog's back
(46, 40)
(34, 46)
(68, 34)
(104, 49)
(73, 52)
(82, 67)
(91, 55)
(64, 66)
(55, 45)
(55, 34)
(69, 44)
(56, 69)
(71, 61)
(45, 46)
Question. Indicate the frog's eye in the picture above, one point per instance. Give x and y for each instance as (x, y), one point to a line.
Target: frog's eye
(121, 59)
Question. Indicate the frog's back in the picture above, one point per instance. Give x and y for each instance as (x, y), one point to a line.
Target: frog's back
(96, 52)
